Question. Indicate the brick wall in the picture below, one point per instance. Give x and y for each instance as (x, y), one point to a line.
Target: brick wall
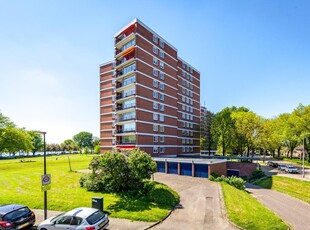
(245, 169)
(218, 168)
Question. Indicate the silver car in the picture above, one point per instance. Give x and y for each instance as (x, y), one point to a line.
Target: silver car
(77, 219)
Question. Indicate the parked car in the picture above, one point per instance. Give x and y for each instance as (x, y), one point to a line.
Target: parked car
(77, 219)
(291, 169)
(15, 216)
(272, 164)
(282, 167)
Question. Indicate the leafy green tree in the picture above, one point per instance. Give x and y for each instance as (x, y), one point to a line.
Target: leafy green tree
(70, 145)
(84, 139)
(37, 141)
(5, 121)
(13, 140)
(248, 124)
(97, 149)
(291, 133)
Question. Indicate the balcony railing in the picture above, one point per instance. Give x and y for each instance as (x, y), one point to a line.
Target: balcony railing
(125, 130)
(126, 118)
(125, 83)
(125, 143)
(124, 34)
(129, 106)
(120, 96)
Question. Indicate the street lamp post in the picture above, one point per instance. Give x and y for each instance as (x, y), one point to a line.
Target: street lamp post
(44, 170)
(303, 158)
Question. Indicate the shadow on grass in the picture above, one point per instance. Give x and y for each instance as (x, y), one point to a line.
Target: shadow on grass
(130, 204)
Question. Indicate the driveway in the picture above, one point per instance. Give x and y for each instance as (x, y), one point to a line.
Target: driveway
(293, 211)
(200, 202)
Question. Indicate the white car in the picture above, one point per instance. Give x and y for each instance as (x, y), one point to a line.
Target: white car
(291, 169)
(77, 219)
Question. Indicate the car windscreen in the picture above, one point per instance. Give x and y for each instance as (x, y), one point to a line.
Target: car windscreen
(16, 214)
(59, 215)
(95, 217)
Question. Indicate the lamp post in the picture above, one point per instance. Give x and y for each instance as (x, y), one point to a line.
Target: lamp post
(44, 171)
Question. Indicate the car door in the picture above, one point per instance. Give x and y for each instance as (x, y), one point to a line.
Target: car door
(63, 223)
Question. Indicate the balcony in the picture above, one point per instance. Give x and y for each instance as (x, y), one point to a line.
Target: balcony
(128, 51)
(121, 107)
(125, 143)
(125, 131)
(126, 82)
(125, 35)
(125, 96)
(126, 118)
(126, 71)
(125, 60)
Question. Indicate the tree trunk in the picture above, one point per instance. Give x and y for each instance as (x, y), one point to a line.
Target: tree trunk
(273, 153)
(279, 151)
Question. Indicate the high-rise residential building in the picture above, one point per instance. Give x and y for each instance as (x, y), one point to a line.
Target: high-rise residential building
(149, 96)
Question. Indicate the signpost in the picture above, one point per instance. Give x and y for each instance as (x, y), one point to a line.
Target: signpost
(45, 182)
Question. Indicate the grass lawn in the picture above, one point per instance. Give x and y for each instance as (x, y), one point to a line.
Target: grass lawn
(296, 161)
(248, 213)
(20, 182)
(293, 187)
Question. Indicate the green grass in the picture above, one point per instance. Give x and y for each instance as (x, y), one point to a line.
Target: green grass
(20, 182)
(296, 161)
(293, 187)
(248, 213)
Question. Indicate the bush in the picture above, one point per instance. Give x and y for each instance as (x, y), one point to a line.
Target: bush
(256, 174)
(237, 182)
(119, 172)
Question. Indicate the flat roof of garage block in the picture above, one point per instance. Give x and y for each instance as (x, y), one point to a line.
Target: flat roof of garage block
(189, 160)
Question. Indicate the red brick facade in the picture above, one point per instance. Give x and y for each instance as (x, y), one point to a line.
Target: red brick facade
(149, 97)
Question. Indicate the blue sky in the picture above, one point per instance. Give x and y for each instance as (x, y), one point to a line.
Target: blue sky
(249, 53)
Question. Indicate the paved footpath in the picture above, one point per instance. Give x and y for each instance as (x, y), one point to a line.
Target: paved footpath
(200, 201)
(295, 212)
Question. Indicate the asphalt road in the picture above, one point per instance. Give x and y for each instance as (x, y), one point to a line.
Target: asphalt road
(293, 211)
(201, 204)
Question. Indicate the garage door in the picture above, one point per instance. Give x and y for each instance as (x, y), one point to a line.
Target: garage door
(172, 168)
(232, 172)
(186, 169)
(201, 170)
(160, 166)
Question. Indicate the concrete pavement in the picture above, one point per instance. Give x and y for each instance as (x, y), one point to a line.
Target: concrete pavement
(201, 204)
(295, 212)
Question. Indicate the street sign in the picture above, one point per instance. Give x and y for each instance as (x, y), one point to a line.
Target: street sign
(46, 179)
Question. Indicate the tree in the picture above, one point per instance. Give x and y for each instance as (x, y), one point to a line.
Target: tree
(69, 145)
(248, 125)
(223, 128)
(97, 149)
(5, 121)
(13, 140)
(84, 139)
(291, 133)
(207, 141)
(37, 141)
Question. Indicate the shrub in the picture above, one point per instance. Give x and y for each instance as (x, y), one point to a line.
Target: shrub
(237, 182)
(119, 172)
(256, 174)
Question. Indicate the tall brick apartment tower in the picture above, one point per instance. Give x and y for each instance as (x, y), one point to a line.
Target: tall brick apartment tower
(149, 97)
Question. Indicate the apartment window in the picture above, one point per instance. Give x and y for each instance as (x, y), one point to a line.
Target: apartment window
(191, 109)
(161, 43)
(162, 117)
(155, 116)
(191, 125)
(191, 102)
(190, 78)
(162, 139)
(183, 65)
(155, 128)
(155, 49)
(183, 107)
(162, 65)
(162, 149)
(155, 84)
(161, 54)
(184, 124)
(187, 68)
(187, 84)
(155, 72)
(155, 61)
(113, 141)
(183, 149)
(161, 86)
(192, 141)
(113, 99)
(162, 128)
(155, 149)
(155, 138)
(113, 90)
(113, 81)
(187, 141)
(162, 76)
(191, 93)
(162, 97)
(162, 107)
(113, 107)
(183, 141)
(155, 105)
(191, 86)
(183, 115)
(155, 39)
(155, 94)
(183, 99)
(183, 90)
(191, 70)
(183, 73)
(192, 149)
